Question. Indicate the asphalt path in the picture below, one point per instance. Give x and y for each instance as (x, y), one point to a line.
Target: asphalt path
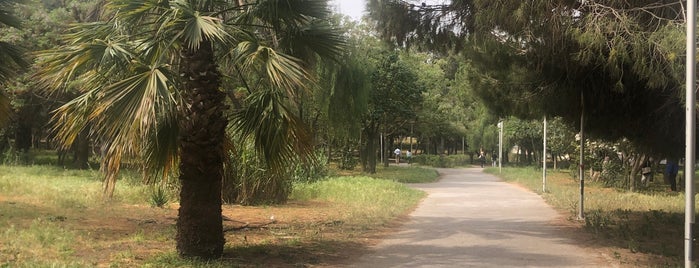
(472, 219)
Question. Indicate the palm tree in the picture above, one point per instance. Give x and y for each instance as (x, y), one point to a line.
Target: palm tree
(10, 55)
(151, 81)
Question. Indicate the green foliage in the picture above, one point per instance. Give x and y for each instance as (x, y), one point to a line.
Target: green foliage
(368, 198)
(347, 160)
(618, 59)
(311, 171)
(45, 241)
(249, 181)
(442, 161)
(407, 174)
(159, 197)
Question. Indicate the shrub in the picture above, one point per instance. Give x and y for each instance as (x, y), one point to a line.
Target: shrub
(159, 197)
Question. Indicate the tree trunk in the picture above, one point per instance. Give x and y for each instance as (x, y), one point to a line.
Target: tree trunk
(23, 137)
(82, 150)
(202, 134)
(368, 150)
(633, 171)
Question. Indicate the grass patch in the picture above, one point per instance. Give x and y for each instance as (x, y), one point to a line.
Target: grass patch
(66, 188)
(55, 217)
(364, 199)
(650, 222)
(410, 174)
(406, 174)
(43, 240)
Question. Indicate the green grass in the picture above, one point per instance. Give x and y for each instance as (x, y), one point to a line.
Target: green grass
(406, 174)
(66, 188)
(33, 222)
(43, 243)
(647, 222)
(41, 208)
(368, 200)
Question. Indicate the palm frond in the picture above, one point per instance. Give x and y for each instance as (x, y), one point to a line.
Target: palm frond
(132, 12)
(12, 58)
(160, 148)
(278, 133)
(198, 27)
(282, 13)
(71, 119)
(282, 71)
(6, 17)
(123, 113)
(136, 102)
(195, 25)
(5, 110)
(316, 38)
(98, 53)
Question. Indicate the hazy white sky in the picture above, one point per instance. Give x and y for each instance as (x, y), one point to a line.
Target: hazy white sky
(352, 8)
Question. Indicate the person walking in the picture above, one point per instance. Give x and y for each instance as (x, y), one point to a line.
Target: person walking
(671, 169)
(397, 153)
(481, 158)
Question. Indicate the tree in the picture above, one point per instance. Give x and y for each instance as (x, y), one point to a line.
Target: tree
(618, 59)
(393, 98)
(151, 76)
(11, 56)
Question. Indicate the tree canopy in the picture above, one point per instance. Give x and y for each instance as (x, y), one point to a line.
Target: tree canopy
(620, 61)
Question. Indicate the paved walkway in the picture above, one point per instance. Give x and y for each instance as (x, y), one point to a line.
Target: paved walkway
(471, 219)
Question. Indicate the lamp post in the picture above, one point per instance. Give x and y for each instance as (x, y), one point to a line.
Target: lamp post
(544, 158)
(690, 135)
(500, 127)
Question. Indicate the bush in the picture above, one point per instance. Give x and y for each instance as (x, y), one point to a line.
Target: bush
(159, 197)
(442, 161)
(311, 171)
(348, 161)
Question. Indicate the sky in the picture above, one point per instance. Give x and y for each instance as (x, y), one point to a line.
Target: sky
(352, 8)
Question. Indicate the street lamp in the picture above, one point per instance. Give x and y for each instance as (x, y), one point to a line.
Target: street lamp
(500, 126)
(544, 157)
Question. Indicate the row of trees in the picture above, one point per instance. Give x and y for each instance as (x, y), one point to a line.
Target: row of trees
(235, 98)
(226, 96)
(617, 64)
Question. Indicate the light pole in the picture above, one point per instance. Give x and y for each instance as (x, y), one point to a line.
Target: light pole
(690, 124)
(581, 209)
(544, 157)
(411, 137)
(500, 126)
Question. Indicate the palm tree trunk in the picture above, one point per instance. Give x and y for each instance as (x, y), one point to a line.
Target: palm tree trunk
(202, 133)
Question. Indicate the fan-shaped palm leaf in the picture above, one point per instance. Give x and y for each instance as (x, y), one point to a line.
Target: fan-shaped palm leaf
(278, 133)
(282, 71)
